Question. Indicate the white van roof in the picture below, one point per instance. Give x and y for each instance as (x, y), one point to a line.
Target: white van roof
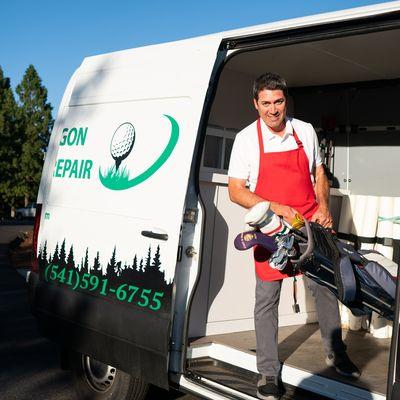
(276, 26)
(342, 15)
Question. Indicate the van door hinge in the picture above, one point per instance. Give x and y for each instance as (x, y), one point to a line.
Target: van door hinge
(231, 45)
(191, 215)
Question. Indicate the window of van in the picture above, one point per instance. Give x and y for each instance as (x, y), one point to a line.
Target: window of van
(218, 147)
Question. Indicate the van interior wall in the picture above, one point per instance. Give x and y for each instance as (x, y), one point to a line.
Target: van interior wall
(351, 99)
(362, 121)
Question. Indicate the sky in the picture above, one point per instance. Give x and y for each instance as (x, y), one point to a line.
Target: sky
(55, 36)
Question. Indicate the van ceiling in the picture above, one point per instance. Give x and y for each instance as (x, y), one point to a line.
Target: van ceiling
(358, 58)
(365, 57)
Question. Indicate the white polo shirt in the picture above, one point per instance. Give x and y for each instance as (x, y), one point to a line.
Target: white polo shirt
(245, 156)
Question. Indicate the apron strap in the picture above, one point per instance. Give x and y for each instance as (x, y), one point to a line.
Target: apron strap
(261, 141)
(260, 138)
(298, 141)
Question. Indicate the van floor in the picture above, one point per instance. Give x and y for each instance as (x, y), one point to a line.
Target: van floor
(300, 346)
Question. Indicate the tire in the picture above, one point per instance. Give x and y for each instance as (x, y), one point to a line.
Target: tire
(19, 216)
(97, 381)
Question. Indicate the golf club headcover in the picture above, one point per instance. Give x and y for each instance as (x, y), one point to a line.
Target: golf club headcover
(248, 228)
(262, 217)
(247, 240)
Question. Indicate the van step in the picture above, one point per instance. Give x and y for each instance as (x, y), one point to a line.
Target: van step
(239, 379)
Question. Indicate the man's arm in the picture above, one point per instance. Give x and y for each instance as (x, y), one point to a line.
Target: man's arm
(322, 215)
(240, 194)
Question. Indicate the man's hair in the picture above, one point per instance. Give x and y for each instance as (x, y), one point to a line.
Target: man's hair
(270, 81)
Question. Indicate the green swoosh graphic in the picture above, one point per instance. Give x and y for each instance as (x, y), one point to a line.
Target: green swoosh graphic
(122, 184)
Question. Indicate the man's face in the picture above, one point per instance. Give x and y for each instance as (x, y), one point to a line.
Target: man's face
(271, 106)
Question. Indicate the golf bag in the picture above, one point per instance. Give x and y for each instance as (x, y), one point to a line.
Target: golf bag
(359, 283)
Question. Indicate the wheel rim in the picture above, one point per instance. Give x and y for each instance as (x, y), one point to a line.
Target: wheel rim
(100, 376)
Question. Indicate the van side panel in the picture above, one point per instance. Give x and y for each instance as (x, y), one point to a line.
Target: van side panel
(113, 200)
(128, 341)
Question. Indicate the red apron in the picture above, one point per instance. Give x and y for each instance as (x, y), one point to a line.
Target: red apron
(283, 177)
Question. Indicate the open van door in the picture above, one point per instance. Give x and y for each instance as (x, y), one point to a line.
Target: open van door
(112, 196)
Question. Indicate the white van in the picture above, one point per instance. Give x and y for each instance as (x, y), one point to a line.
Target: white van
(136, 276)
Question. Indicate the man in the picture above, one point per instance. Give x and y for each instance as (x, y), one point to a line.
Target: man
(279, 157)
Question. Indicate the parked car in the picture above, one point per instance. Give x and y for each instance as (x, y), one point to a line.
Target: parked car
(26, 212)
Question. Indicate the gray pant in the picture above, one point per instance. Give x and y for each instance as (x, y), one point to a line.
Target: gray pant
(266, 322)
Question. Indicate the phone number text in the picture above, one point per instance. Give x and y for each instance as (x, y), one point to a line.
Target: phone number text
(92, 283)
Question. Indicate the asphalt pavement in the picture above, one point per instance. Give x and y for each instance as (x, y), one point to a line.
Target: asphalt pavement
(29, 363)
(29, 367)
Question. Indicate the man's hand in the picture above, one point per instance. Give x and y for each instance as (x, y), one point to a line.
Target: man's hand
(323, 217)
(286, 212)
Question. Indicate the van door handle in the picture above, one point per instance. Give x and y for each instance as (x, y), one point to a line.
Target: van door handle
(155, 235)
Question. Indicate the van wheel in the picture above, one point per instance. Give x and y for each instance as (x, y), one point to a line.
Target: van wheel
(97, 381)
(19, 216)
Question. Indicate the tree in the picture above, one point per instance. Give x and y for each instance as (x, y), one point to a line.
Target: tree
(96, 264)
(56, 258)
(112, 263)
(10, 144)
(156, 259)
(37, 125)
(63, 255)
(148, 259)
(44, 254)
(155, 275)
(86, 267)
(70, 259)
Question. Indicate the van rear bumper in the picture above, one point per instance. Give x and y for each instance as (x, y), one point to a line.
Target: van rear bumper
(125, 337)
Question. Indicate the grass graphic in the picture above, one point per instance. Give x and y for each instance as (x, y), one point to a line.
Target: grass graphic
(115, 178)
(119, 180)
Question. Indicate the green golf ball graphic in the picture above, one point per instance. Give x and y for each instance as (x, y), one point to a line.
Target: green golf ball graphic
(122, 143)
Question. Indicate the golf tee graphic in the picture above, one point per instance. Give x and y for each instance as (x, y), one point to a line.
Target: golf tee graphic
(122, 142)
